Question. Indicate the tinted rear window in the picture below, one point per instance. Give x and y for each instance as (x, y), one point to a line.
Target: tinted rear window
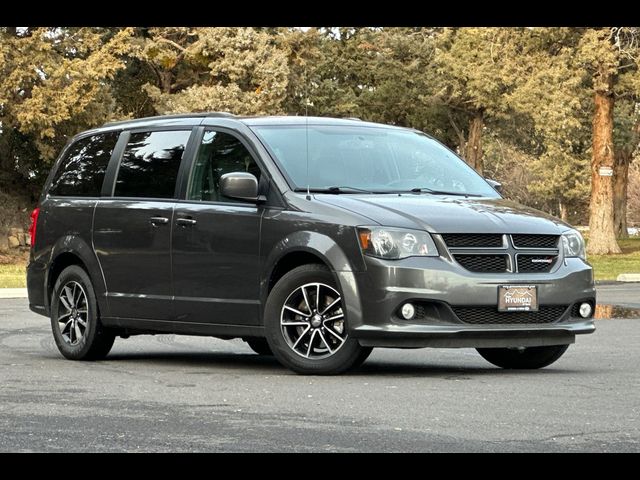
(82, 168)
(150, 164)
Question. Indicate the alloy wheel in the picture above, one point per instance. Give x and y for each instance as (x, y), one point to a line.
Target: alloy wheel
(312, 321)
(73, 313)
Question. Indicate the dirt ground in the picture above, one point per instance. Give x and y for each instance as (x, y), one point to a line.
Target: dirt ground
(15, 256)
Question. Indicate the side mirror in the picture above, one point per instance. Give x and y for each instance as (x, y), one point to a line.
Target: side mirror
(241, 186)
(497, 186)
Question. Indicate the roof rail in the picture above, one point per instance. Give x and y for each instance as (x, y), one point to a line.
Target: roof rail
(353, 118)
(177, 115)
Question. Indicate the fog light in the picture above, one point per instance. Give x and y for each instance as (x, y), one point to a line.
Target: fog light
(585, 310)
(408, 311)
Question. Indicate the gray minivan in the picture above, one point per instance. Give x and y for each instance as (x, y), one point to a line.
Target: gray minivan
(313, 239)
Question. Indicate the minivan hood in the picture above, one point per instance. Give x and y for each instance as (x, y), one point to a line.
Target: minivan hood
(447, 214)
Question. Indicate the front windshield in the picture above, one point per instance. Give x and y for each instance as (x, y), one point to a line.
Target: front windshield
(369, 158)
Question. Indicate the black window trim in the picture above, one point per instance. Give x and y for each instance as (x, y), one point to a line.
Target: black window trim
(109, 188)
(114, 165)
(184, 175)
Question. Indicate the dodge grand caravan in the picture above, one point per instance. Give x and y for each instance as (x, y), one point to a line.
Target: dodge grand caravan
(312, 239)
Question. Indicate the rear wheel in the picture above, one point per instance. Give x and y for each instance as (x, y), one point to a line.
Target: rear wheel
(523, 358)
(75, 320)
(306, 325)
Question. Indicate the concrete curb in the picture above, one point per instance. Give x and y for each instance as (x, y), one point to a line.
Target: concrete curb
(628, 277)
(614, 282)
(13, 293)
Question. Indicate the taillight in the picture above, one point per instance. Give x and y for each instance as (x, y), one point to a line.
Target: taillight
(34, 224)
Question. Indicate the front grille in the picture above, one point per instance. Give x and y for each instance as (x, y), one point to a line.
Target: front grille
(536, 263)
(487, 253)
(575, 310)
(483, 263)
(472, 240)
(485, 315)
(535, 241)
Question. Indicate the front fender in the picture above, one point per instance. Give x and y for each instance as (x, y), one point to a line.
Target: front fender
(325, 248)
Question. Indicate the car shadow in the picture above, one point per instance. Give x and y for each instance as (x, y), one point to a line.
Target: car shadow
(252, 363)
(199, 359)
(453, 372)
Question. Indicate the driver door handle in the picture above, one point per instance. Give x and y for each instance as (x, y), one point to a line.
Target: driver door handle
(158, 220)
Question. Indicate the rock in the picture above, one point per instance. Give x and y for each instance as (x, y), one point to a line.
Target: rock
(13, 241)
(27, 239)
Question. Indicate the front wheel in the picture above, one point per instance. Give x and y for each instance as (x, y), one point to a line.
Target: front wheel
(259, 345)
(306, 326)
(523, 358)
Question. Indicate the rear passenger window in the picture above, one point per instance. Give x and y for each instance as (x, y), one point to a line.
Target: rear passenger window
(150, 163)
(82, 169)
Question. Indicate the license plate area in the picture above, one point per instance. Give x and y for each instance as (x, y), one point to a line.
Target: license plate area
(517, 298)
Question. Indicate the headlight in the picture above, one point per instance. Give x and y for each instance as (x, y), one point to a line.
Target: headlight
(395, 243)
(573, 244)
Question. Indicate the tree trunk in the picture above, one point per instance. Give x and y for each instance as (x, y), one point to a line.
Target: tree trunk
(166, 80)
(602, 235)
(620, 181)
(473, 153)
(564, 211)
(462, 141)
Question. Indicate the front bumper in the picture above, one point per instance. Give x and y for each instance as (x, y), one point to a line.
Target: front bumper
(386, 285)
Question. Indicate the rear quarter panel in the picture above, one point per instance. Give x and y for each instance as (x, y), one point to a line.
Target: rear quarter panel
(65, 226)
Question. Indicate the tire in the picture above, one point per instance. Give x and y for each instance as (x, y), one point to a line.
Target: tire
(523, 359)
(326, 347)
(259, 345)
(362, 357)
(73, 289)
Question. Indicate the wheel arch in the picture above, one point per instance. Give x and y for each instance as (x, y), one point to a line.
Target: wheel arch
(72, 250)
(308, 247)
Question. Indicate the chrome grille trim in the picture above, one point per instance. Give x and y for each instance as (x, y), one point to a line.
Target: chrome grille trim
(461, 249)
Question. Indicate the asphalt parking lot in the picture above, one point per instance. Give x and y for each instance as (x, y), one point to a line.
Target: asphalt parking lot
(625, 295)
(170, 393)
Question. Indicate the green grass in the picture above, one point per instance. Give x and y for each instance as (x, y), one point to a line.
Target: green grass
(608, 267)
(13, 276)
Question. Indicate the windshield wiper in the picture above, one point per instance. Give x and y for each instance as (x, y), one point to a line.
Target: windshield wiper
(442, 192)
(336, 190)
(345, 189)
